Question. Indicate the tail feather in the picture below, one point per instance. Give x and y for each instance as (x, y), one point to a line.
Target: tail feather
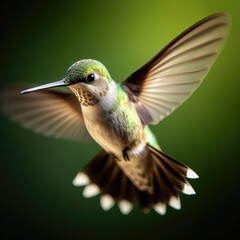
(168, 179)
(104, 172)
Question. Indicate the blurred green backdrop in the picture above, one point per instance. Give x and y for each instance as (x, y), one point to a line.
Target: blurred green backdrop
(39, 41)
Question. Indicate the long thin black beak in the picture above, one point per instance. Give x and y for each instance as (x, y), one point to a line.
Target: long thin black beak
(45, 86)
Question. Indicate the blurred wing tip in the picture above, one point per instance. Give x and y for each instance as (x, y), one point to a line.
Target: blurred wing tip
(53, 113)
(225, 15)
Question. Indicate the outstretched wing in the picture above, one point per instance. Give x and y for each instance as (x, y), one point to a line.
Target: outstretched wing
(169, 78)
(50, 112)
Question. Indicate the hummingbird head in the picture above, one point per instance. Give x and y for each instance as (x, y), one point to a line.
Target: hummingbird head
(88, 79)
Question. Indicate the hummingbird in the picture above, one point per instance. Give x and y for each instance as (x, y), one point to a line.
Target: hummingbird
(131, 168)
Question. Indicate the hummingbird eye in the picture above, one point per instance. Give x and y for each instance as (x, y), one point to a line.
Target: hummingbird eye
(90, 78)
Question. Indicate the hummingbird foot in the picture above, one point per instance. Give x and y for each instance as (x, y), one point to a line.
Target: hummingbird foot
(125, 155)
(115, 158)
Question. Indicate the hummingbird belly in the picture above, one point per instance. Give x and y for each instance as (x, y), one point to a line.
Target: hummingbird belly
(114, 131)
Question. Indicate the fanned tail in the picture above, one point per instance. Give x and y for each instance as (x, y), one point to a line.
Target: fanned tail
(103, 175)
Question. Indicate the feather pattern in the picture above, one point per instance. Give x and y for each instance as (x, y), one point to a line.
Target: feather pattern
(156, 185)
(168, 79)
(50, 112)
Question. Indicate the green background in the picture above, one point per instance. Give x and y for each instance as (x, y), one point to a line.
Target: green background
(39, 42)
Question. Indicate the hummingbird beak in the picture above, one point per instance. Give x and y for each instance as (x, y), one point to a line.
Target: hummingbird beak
(46, 86)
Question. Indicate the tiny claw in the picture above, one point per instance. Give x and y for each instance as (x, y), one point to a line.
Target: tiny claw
(125, 155)
(115, 158)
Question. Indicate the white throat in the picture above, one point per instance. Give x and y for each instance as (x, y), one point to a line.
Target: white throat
(107, 100)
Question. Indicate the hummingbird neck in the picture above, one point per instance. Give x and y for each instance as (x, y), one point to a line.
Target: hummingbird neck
(85, 97)
(109, 98)
(103, 98)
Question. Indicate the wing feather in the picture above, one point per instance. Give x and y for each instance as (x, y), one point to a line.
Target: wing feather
(50, 112)
(169, 78)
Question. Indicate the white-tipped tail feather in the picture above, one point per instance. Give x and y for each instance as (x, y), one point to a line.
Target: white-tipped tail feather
(106, 202)
(191, 174)
(91, 191)
(81, 179)
(125, 207)
(160, 208)
(168, 179)
(175, 202)
(187, 189)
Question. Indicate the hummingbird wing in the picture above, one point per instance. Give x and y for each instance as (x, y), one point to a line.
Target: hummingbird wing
(169, 78)
(51, 112)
